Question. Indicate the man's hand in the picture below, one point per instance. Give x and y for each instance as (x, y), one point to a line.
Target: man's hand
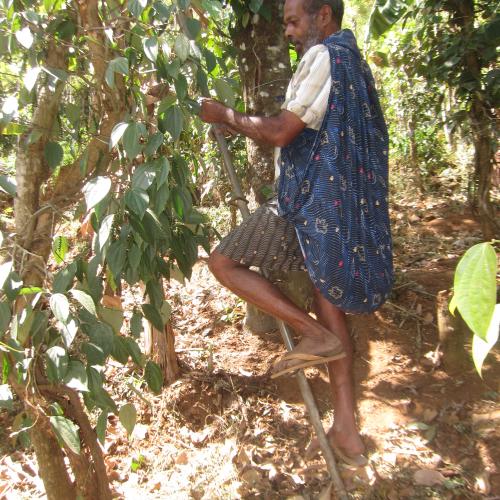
(212, 111)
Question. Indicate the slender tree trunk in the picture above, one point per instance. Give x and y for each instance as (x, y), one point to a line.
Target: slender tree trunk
(482, 126)
(264, 64)
(50, 460)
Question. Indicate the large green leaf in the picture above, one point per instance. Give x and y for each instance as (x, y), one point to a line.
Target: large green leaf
(128, 417)
(181, 47)
(152, 314)
(85, 300)
(480, 347)
(25, 37)
(144, 176)
(117, 65)
(115, 258)
(53, 154)
(225, 92)
(150, 47)
(131, 140)
(60, 307)
(60, 247)
(5, 316)
(136, 7)
(137, 201)
(385, 14)
(5, 270)
(96, 190)
(154, 142)
(100, 429)
(57, 363)
(154, 377)
(76, 376)
(174, 122)
(105, 230)
(117, 134)
(475, 287)
(67, 432)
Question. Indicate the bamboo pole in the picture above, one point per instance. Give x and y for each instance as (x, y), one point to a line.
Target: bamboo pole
(305, 389)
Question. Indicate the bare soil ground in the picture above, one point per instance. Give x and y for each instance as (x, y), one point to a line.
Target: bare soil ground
(225, 430)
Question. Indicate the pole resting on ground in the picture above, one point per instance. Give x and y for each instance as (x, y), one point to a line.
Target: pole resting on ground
(305, 389)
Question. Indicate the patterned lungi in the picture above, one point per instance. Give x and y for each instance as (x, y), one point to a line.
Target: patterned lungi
(264, 240)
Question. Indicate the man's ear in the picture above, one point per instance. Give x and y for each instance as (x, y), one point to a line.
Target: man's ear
(325, 14)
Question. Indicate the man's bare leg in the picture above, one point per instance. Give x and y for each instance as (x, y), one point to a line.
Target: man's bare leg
(344, 432)
(252, 287)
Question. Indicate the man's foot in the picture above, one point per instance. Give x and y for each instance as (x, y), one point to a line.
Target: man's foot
(310, 351)
(348, 447)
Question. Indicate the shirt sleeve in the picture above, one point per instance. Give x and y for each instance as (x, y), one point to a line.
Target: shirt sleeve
(309, 89)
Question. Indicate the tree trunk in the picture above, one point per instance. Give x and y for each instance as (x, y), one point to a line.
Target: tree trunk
(482, 123)
(50, 460)
(453, 334)
(161, 347)
(264, 64)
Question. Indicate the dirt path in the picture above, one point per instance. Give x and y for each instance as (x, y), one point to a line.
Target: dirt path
(225, 430)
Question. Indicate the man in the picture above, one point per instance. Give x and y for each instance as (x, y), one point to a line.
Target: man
(332, 215)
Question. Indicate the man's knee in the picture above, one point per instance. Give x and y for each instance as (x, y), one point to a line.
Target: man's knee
(220, 265)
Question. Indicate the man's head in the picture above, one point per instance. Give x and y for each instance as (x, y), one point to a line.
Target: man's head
(307, 22)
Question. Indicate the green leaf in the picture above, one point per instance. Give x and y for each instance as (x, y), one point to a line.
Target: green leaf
(60, 307)
(67, 432)
(136, 7)
(5, 270)
(53, 154)
(69, 331)
(128, 417)
(5, 316)
(136, 328)
(144, 176)
(181, 47)
(131, 140)
(255, 5)
(154, 142)
(94, 353)
(183, 4)
(213, 7)
(475, 287)
(25, 37)
(154, 377)
(480, 347)
(57, 363)
(116, 258)
(85, 300)
(174, 122)
(135, 351)
(385, 14)
(60, 247)
(150, 46)
(96, 190)
(6, 398)
(117, 65)
(8, 184)
(137, 201)
(193, 28)
(181, 87)
(117, 133)
(102, 423)
(152, 315)
(162, 170)
(225, 92)
(64, 278)
(76, 377)
(120, 351)
(166, 312)
(113, 317)
(30, 78)
(105, 230)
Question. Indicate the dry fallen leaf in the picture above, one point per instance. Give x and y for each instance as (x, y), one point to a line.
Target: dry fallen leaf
(428, 477)
(182, 458)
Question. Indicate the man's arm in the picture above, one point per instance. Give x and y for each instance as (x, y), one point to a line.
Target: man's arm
(279, 130)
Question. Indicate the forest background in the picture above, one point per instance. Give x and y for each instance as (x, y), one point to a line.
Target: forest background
(110, 184)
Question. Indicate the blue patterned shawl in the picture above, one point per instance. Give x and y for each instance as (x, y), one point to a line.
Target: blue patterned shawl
(334, 188)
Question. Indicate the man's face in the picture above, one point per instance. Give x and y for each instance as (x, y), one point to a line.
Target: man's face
(300, 27)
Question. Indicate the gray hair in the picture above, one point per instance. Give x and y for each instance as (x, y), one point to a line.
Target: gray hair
(312, 7)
